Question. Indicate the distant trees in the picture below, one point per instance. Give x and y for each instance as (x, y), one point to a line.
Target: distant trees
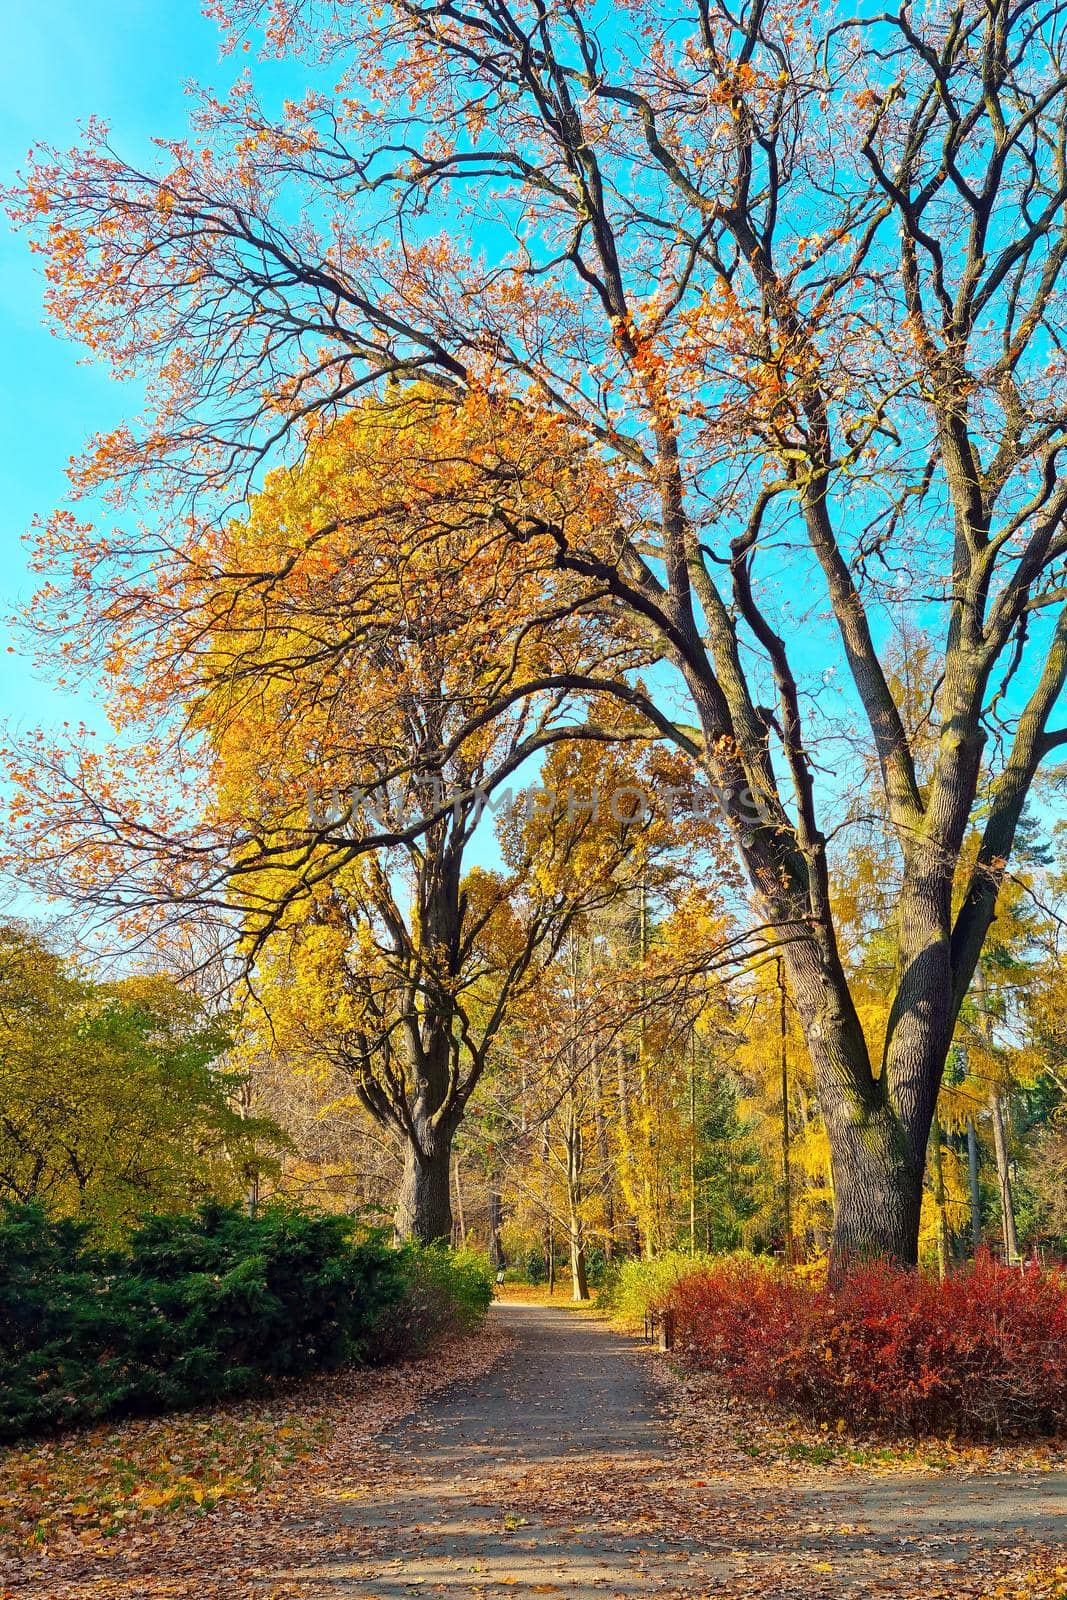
(613, 1080)
(115, 1098)
(657, 1097)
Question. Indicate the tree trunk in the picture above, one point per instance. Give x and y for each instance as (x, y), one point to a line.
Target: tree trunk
(460, 1218)
(939, 1200)
(579, 1277)
(576, 1230)
(1007, 1201)
(878, 1192)
(877, 1181)
(975, 1191)
(649, 1143)
(607, 1177)
(424, 1204)
(878, 1123)
(496, 1247)
(787, 1175)
(632, 1226)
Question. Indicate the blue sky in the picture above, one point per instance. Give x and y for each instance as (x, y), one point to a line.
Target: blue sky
(127, 62)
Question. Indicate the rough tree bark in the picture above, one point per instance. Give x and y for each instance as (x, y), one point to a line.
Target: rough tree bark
(424, 1202)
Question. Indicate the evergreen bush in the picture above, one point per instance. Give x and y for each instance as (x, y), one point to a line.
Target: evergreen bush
(206, 1307)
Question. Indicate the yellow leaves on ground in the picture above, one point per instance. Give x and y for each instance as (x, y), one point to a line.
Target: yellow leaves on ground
(146, 1489)
(100, 1482)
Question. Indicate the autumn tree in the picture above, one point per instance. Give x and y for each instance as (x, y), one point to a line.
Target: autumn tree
(401, 973)
(611, 1062)
(557, 1171)
(339, 699)
(796, 282)
(116, 1097)
(662, 970)
(1006, 1055)
(336, 1157)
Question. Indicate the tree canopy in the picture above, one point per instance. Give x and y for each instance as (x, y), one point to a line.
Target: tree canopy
(761, 309)
(115, 1099)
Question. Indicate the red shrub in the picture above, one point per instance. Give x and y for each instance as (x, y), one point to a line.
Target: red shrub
(981, 1355)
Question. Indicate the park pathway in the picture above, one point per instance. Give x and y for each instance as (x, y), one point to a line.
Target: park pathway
(557, 1475)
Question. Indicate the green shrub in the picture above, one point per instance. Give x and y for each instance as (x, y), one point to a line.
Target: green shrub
(528, 1265)
(217, 1302)
(56, 1339)
(208, 1307)
(635, 1286)
(445, 1291)
(597, 1266)
(470, 1285)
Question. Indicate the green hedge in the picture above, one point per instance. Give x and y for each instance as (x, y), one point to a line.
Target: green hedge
(206, 1307)
(636, 1286)
(445, 1291)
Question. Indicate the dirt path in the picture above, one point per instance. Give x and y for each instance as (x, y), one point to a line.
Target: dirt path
(472, 1470)
(558, 1475)
(574, 1466)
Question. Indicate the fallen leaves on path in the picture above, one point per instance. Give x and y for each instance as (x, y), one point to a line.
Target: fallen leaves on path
(307, 1497)
(1046, 1581)
(203, 1485)
(744, 1437)
(772, 1488)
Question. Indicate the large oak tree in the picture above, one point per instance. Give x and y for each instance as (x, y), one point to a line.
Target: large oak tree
(795, 280)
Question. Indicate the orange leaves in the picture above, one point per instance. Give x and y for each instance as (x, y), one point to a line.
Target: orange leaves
(204, 1492)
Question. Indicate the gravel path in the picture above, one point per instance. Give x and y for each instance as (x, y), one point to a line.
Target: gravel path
(557, 1474)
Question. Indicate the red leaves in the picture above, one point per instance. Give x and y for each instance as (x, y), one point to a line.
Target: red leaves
(982, 1355)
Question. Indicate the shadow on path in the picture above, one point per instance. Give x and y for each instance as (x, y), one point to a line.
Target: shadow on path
(557, 1474)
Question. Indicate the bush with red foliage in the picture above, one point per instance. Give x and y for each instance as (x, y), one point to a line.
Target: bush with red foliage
(982, 1355)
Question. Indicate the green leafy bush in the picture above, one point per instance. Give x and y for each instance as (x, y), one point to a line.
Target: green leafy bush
(208, 1307)
(444, 1291)
(635, 1287)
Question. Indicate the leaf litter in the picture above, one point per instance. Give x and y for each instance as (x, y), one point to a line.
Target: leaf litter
(284, 1499)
